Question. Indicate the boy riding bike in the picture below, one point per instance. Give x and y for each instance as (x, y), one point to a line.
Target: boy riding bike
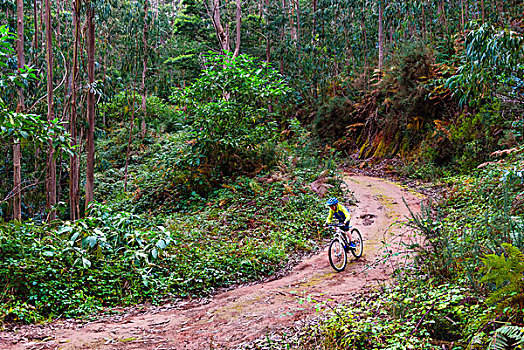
(342, 214)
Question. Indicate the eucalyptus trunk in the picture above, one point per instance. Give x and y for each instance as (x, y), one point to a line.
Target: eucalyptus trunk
(239, 24)
(74, 206)
(380, 36)
(144, 71)
(51, 161)
(221, 33)
(17, 152)
(90, 172)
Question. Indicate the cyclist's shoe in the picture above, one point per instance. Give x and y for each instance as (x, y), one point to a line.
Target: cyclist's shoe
(352, 245)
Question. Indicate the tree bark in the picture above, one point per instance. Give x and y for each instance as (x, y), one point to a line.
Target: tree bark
(90, 172)
(239, 23)
(144, 71)
(74, 207)
(17, 153)
(35, 39)
(128, 150)
(222, 35)
(51, 162)
(268, 42)
(462, 16)
(380, 36)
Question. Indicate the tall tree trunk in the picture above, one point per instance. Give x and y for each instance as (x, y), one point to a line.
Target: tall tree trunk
(380, 36)
(239, 23)
(74, 206)
(442, 11)
(268, 42)
(314, 18)
(462, 16)
(363, 24)
(17, 153)
(298, 19)
(144, 71)
(128, 150)
(35, 39)
(51, 162)
(483, 11)
(90, 166)
(222, 35)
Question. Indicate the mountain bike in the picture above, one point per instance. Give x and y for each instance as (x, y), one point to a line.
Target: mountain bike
(339, 247)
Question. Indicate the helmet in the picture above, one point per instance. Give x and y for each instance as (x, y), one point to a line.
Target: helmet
(332, 201)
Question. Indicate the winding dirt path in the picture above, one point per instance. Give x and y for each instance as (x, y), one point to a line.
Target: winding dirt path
(246, 313)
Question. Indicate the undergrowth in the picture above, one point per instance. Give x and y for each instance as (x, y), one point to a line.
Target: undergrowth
(186, 246)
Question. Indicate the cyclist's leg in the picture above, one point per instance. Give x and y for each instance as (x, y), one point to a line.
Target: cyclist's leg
(348, 232)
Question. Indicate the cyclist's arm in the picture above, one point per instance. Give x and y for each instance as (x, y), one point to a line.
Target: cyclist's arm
(329, 217)
(346, 214)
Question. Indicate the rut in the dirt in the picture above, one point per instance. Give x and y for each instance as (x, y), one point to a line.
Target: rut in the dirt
(239, 316)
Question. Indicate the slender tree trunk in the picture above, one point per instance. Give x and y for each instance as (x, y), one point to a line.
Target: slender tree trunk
(17, 153)
(365, 54)
(483, 11)
(268, 42)
(442, 11)
(380, 36)
(462, 24)
(222, 35)
(74, 206)
(239, 23)
(51, 162)
(314, 18)
(128, 150)
(35, 19)
(144, 71)
(424, 30)
(298, 19)
(90, 172)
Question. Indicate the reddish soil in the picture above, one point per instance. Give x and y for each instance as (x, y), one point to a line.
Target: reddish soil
(239, 316)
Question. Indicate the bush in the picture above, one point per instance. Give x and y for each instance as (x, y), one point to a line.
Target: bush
(234, 107)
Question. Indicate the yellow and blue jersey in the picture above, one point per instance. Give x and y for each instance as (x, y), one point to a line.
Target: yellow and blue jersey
(341, 213)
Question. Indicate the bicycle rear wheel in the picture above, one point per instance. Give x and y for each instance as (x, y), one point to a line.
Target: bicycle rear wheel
(357, 239)
(337, 255)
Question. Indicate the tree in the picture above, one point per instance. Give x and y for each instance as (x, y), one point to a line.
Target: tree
(73, 160)
(213, 11)
(51, 161)
(17, 177)
(90, 167)
(380, 35)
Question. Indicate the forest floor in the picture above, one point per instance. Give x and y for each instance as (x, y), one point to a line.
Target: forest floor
(239, 316)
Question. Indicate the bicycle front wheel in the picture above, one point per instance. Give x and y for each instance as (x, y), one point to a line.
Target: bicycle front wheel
(337, 255)
(357, 239)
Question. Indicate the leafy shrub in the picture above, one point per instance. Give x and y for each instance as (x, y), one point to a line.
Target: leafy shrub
(233, 106)
(118, 112)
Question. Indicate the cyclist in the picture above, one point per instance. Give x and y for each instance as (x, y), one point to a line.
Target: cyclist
(342, 214)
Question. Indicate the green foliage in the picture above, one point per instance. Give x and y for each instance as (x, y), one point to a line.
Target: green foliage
(507, 337)
(416, 315)
(492, 67)
(506, 271)
(118, 257)
(234, 106)
(159, 115)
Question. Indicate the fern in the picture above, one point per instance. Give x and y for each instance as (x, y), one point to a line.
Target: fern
(507, 337)
(507, 272)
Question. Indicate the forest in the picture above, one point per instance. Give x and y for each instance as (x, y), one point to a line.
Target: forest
(156, 151)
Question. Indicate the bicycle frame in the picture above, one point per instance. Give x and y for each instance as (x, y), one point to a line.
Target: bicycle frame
(339, 234)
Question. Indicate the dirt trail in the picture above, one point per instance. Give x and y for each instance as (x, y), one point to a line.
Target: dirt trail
(246, 313)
